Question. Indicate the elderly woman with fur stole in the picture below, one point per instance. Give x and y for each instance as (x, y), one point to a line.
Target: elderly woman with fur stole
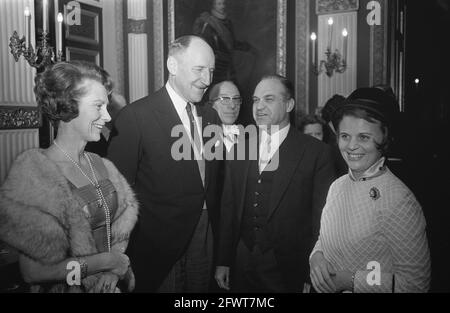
(70, 213)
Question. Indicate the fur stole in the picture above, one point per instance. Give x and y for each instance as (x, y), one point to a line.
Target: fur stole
(41, 218)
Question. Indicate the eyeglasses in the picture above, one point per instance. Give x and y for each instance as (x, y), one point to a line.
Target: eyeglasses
(229, 100)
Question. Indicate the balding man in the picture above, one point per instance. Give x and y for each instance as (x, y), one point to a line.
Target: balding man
(171, 247)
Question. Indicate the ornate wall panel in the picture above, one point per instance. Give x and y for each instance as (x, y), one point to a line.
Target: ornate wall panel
(17, 104)
(158, 44)
(378, 48)
(138, 66)
(343, 83)
(302, 56)
(16, 78)
(137, 49)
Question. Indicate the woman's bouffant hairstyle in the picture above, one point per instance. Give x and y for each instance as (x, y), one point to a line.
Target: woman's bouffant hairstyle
(58, 89)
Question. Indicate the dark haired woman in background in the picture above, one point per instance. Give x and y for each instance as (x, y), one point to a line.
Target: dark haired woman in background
(326, 113)
(62, 204)
(372, 233)
(312, 125)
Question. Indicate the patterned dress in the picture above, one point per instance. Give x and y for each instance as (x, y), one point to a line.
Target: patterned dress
(375, 228)
(95, 212)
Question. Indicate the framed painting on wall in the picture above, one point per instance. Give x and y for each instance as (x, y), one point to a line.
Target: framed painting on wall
(249, 40)
(73, 53)
(84, 41)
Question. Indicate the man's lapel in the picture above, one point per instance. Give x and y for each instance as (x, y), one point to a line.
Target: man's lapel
(167, 114)
(168, 118)
(290, 154)
(244, 169)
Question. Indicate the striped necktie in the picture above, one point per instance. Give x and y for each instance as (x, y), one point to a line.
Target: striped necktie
(195, 136)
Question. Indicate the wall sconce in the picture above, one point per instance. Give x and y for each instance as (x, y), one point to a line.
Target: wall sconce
(335, 61)
(44, 54)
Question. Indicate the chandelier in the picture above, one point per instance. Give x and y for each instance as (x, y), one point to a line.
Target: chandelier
(334, 61)
(43, 54)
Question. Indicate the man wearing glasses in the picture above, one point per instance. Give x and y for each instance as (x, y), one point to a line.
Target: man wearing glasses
(226, 100)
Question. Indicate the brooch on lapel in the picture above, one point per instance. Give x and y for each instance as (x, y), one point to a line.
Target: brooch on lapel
(374, 193)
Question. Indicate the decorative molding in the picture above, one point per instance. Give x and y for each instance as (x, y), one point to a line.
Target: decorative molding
(120, 47)
(281, 37)
(97, 3)
(138, 66)
(16, 78)
(378, 49)
(75, 53)
(158, 44)
(345, 82)
(137, 9)
(336, 6)
(83, 34)
(302, 57)
(137, 26)
(137, 49)
(171, 20)
(19, 117)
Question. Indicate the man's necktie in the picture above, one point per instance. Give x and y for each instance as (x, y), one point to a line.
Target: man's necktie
(265, 153)
(194, 132)
(197, 144)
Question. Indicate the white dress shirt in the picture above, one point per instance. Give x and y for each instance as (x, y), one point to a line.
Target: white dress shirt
(180, 107)
(276, 139)
(230, 135)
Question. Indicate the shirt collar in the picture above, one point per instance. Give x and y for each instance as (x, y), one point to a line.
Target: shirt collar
(177, 100)
(375, 170)
(230, 129)
(280, 133)
(276, 138)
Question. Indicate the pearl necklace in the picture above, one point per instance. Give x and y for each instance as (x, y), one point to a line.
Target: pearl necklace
(101, 199)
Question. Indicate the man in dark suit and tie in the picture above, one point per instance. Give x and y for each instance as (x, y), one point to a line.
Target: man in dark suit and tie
(171, 246)
(271, 204)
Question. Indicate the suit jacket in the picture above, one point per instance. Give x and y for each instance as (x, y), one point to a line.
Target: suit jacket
(171, 193)
(299, 190)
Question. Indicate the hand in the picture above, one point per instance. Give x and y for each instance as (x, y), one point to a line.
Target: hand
(343, 280)
(129, 280)
(106, 283)
(321, 273)
(222, 277)
(119, 263)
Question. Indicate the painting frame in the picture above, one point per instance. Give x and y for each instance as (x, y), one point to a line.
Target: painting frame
(82, 51)
(260, 24)
(96, 16)
(336, 6)
(279, 44)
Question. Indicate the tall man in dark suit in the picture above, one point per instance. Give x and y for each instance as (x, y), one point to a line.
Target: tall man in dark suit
(171, 247)
(271, 205)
